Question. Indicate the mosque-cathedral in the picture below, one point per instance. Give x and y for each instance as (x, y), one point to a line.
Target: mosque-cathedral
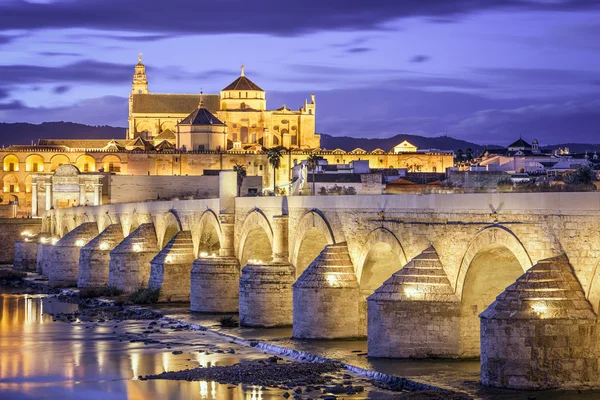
(192, 134)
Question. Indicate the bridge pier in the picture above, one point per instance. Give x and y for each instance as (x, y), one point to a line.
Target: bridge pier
(44, 255)
(215, 285)
(415, 313)
(215, 281)
(26, 253)
(266, 295)
(170, 269)
(94, 257)
(541, 332)
(129, 268)
(326, 297)
(64, 264)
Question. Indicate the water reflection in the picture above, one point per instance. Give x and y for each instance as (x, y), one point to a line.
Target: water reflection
(58, 360)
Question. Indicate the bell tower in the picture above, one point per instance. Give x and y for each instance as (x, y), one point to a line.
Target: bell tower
(140, 82)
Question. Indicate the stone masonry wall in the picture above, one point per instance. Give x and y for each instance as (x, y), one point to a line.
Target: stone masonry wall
(10, 232)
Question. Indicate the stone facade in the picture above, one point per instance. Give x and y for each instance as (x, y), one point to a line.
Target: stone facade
(541, 332)
(326, 297)
(129, 268)
(170, 269)
(215, 285)
(94, 257)
(64, 267)
(266, 295)
(12, 230)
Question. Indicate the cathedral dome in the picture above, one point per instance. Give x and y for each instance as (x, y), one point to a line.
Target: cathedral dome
(243, 95)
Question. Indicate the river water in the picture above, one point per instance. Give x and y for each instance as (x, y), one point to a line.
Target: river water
(45, 359)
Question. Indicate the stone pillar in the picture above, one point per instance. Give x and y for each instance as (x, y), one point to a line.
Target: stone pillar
(541, 333)
(97, 194)
(215, 285)
(415, 313)
(326, 297)
(82, 194)
(129, 268)
(94, 258)
(34, 200)
(64, 265)
(170, 269)
(227, 235)
(266, 295)
(48, 195)
(44, 255)
(25, 254)
(280, 239)
(227, 191)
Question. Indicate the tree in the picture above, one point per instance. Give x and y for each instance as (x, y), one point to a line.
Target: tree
(459, 154)
(469, 154)
(312, 164)
(241, 174)
(274, 155)
(582, 176)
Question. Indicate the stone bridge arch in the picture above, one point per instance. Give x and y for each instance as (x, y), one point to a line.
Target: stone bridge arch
(494, 259)
(491, 236)
(167, 225)
(593, 289)
(130, 222)
(105, 220)
(256, 232)
(208, 235)
(312, 233)
(386, 244)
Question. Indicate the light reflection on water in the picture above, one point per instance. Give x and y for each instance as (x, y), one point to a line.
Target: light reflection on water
(57, 360)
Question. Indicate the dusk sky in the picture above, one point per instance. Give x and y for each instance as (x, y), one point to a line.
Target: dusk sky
(487, 71)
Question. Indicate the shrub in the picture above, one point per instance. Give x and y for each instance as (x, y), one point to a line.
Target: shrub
(106, 291)
(11, 275)
(228, 322)
(145, 296)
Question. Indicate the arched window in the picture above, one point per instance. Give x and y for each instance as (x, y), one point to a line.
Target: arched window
(244, 134)
(275, 141)
(243, 106)
(294, 140)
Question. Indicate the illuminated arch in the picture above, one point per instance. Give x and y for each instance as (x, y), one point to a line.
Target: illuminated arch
(208, 222)
(380, 235)
(11, 163)
(86, 163)
(254, 219)
(58, 160)
(495, 235)
(111, 163)
(311, 219)
(34, 163)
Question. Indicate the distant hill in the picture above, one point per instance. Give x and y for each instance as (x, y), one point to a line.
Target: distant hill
(348, 143)
(24, 133)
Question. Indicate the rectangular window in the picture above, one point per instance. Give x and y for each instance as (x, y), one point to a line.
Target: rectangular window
(11, 189)
(86, 168)
(294, 140)
(35, 167)
(11, 166)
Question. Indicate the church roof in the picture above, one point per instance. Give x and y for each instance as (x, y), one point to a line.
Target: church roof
(140, 143)
(76, 143)
(164, 135)
(201, 116)
(243, 83)
(520, 143)
(154, 103)
(165, 145)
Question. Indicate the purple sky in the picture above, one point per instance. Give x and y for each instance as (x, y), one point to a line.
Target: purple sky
(485, 71)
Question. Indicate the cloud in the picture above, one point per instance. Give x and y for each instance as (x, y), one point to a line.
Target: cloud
(359, 50)
(81, 71)
(549, 122)
(293, 18)
(58, 54)
(61, 89)
(107, 110)
(420, 58)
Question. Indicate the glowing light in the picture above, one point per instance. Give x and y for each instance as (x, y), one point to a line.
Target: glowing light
(332, 279)
(104, 246)
(25, 233)
(412, 292)
(135, 365)
(213, 255)
(43, 240)
(137, 247)
(80, 243)
(540, 309)
(27, 240)
(54, 241)
(169, 258)
(204, 254)
(203, 389)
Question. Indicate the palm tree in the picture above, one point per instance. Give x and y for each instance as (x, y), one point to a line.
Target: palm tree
(241, 174)
(459, 154)
(274, 155)
(469, 154)
(312, 164)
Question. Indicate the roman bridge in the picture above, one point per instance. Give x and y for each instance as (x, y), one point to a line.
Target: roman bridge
(413, 273)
